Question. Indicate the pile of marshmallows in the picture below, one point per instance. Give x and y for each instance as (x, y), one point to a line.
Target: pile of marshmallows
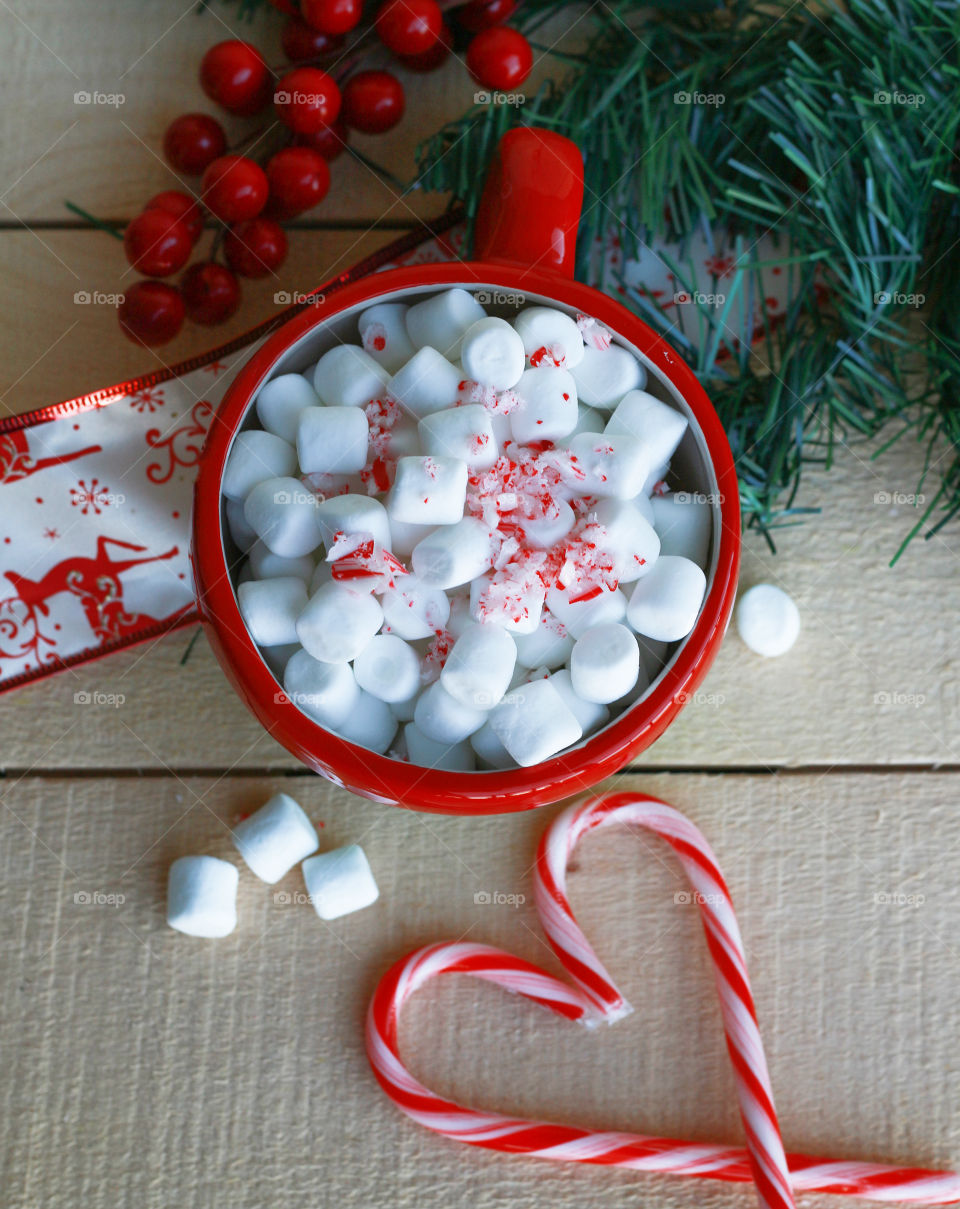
(202, 890)
(462, 528)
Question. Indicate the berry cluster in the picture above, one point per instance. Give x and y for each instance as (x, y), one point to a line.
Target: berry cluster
(321, 94)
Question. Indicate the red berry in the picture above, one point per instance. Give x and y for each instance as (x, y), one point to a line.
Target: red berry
(255, 248)
(409, 27)
(332, 16)
(157, 243)
(182, 206)
(235, 75)
(299, 179)
(234, 188)
(211, 293)
(306, 99)
(433, 58)
(193, 141)
(484, 14)
(329, 141)
(151, 313)
(373, 101)
(301, 41)
(499, 58)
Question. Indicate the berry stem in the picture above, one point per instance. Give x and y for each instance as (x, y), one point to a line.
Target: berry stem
(110, 229)
(378, 169)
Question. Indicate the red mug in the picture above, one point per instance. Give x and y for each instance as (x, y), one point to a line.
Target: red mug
(525, 240)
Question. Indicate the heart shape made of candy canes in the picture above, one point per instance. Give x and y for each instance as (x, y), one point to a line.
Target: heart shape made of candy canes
(593, 998)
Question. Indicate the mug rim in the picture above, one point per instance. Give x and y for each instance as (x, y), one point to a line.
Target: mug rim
(379, 776)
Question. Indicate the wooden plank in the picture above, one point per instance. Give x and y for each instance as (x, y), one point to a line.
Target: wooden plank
(873, 678)
(143, 1067)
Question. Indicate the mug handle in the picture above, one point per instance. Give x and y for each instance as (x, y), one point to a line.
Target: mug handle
(530, 208)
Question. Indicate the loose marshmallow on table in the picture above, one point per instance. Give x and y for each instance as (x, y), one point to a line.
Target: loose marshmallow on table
(665, 603)
(332, 440)
(338, 622)
(270, 608)
(326, 692)
(280, 402)
(454, 554)
(388, 668)
(346, 376)
(548, 646)
(684, 522)
(659, 426)
(275, 838)
(284, 514)
(266, 565)
(629, 537)
(608, 465)
(768, 621)
(440, 321)
(478, 669)
(548, 407)
(453, 757)
(202, 896)
(428, 491)
(255, 456)
(413, 610)
(353, 514)
(460, 432)
(444, 719)
(533, 722)
(604, 376)
(489, 749)
(340, 881)
(590, 714)
(491, 353)
(549, 337)
(427, 383)
(579, 615)
(383, 332)
(605, 663)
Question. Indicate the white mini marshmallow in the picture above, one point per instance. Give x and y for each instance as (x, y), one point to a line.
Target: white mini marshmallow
(388, 668)
(266, 565)
(383, 333)
(284, 514)
(684, 523)
(202, 896)
(340, 882)
(270, 608)
(544, 532)
(768, 621)
(404, 539)
(605, 663)
(403, 710)
(428, 491)
(427, 383)
(346, 376)
(604, 376)
(579, 615)
(588, 420)
(630, 538)
(533, 723)
(665, 603)
(371, 724)
(489, 749)
(254, 457)
(275, 838)
(460, 432)
(549, 337)
(444, 719)
(491, 353)
(590, 714)
(280, 402)
(403, 439)
(332, 440)
(519, 611)
(453, 757)
(242, 533)
(548, 408)
(548, 646)
(412, 610)
(353, 514)
(337, 623)
(608, 465)
(326, 692)
(454, 554)
(460, 616)
(660, 426)
(440, 321)
(478, 669)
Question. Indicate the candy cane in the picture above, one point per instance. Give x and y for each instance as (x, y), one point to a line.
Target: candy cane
(593, 998)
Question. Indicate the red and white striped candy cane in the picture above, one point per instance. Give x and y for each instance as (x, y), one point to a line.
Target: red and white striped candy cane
(593, 998)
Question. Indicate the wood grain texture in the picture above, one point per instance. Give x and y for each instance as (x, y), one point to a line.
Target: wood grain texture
(143, 1067)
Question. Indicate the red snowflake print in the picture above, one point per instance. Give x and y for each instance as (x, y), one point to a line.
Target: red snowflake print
(215, 367)
(720, 266)
(53, 534)
(96, 497)
(148, 399)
